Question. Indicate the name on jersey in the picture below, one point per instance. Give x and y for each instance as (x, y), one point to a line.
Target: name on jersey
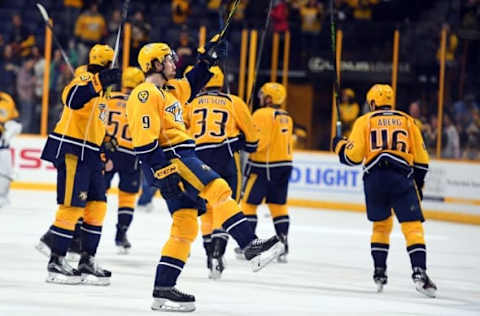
(389, 122)
(218, 101)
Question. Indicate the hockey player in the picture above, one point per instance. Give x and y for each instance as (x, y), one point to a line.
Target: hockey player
(268, 169)
(221, 125)
(124, 160)
(9, 128)
(389, 145)
(74, 147)
(154, 112)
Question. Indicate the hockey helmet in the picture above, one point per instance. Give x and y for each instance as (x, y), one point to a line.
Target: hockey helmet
(153, 51)
(100, 55)
(217, 78)
(132, 77)
(274, 90)
(380, 95)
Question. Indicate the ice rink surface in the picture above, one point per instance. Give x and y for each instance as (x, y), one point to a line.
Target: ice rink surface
(329, 270)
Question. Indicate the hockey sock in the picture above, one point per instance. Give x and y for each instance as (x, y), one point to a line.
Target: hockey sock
(207, 244)
(125, 216)
(418, 255)
(239, 228)
(78, 228)
(281, 223)
(168, 270)
(252, 220)
(90, 238)
(61, 240)
(219, 241)
(379, 254)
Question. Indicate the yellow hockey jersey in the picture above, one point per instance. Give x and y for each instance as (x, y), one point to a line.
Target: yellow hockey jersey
(381, 134)
(8, 111)
(155, 116)
(216, 119)
(275, 130)
(117, 124)
(81, 128)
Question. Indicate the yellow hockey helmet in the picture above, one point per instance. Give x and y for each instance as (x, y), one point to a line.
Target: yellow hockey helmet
(79, 70)
(382, 94)
(132, 77)
(217, 78)
(274, 90)
(153, 51)
(100, 55)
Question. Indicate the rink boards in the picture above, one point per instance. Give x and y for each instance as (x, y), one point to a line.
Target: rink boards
(452, 189)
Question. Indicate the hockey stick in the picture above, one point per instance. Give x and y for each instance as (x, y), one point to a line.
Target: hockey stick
(117, 42)
(46, 19)
(259, 54)
(228, 20)
(336, 84)
(224, 63)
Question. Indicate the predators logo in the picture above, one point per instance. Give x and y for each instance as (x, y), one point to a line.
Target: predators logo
(83, 195)
(176, 110)
(143, 96)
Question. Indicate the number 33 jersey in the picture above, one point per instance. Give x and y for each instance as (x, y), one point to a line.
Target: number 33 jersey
(385, 134)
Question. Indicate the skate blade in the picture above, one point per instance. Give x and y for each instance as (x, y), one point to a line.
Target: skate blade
(89, 279)
(215, 273)
(58, 278)
(123, 251)
(379, 287)
(259, 262)
(164, 305)
(43, 249)
(72, 257)
(430, 292)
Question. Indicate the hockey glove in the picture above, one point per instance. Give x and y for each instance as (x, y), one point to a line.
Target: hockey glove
(168, 181)
(336, 140)
(110, 144)
(109, 77)
(213, 51)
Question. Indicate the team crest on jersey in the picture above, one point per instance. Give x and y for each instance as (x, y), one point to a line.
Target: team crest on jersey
(143, 96)
(84, 77)
(176, 110)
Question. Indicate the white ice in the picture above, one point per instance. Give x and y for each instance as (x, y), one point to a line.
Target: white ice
(329, 270)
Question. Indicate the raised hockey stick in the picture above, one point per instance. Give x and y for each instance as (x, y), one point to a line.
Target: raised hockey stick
(46, 19)
(336, 84)
(259, 53)
(224, 63)
(228, 19)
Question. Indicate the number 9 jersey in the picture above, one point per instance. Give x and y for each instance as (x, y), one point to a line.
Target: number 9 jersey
(384, 133)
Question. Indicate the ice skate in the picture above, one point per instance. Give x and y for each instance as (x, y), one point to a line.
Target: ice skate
(59, 271)
(217, 267)
(423, 283)
(169, 299)
(91, 272)
(380, 278)
(282, 258)
(121, 241)
(261, 252)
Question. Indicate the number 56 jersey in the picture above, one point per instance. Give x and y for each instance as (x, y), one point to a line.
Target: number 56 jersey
(386, 134)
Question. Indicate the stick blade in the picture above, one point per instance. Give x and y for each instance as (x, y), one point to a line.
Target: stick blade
(43, 11)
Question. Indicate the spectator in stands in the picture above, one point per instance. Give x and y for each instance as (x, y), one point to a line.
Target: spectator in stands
(463, 109)
(72, 9)
(414, 111)
(451, 139)
(312, 14)
(90, 29)
(279, 16)
(21, 38)
(140, 34)
(362, 9)
(26, 94)
(349, 110)
(8, 70)
(38, 70)
(185, 51)
(180, 11)
(430, 134)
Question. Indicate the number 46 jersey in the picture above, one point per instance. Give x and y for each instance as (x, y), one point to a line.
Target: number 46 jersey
(386, 134)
